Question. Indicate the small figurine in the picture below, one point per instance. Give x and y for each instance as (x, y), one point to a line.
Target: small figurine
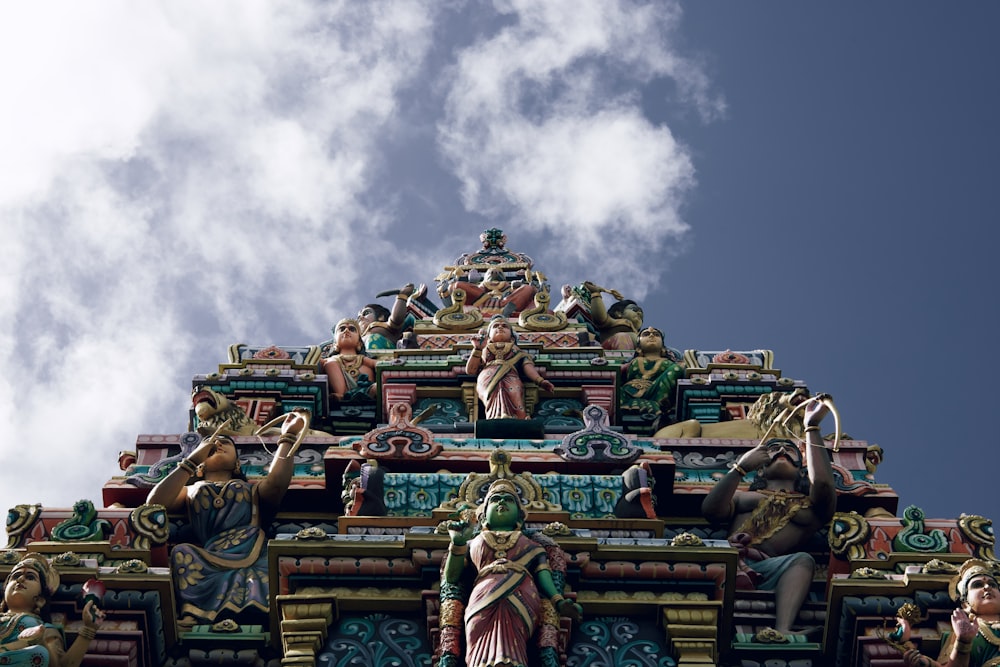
(225, 573)
(25, 636)
(618, 325)
(514, 592)
(350, 372)
(650, 378)
(500, 363)
(381, 328)
(637, 500)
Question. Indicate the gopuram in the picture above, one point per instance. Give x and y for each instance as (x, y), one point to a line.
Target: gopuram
(486, 472)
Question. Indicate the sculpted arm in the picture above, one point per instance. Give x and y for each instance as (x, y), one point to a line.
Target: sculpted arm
(171, 491)
(720, 503)
(532, 374)
(335, 376)
(397, 316)
(823, 492)
(273, 487)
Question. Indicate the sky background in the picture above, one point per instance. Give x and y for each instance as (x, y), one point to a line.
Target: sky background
(819, 179)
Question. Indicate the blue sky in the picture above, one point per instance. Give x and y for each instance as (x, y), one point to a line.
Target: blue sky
(816, 179)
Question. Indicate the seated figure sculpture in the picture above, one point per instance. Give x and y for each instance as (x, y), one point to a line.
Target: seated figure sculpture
(649, 379)
(350, 372)
(974, 640)
(785, 506)
(514, 593)
(499, 364)
(225, 573)
(25, 636)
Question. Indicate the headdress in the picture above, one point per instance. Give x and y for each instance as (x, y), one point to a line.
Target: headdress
(500, 486)
(47, 575)
(959, 586)
(336, 335)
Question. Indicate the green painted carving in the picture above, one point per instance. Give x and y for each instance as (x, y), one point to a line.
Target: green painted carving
(912, 537)
(83, 526)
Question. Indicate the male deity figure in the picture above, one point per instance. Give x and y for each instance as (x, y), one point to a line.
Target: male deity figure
(784, 507)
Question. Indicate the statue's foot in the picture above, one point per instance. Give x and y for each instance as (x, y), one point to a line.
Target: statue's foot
(770, 636)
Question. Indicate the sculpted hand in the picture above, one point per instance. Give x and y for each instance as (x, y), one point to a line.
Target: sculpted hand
(92, 616)
(407, 289)
(755, 458)
(815, 411)
(295, 421)
(963, 626)
(460, 532)
(914, 658)
(202, 451)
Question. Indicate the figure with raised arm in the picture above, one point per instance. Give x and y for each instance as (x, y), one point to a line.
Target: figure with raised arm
(26, 638)
(785, 506)
(350, 372)
(514, 593)
(381, 328)
(617, 326)
(499, 365)
(224, 573)
(974, 640)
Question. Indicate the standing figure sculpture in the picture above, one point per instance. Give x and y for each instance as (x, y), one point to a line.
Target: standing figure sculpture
(382, 328)
(785, 506)
(649, 379)
(25, 636)
(350, 372)
(499, 365)
(514, 593)
(225, 573)
(974, 640)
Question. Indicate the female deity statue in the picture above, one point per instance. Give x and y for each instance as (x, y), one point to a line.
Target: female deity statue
(974, 640)
(350, 372)
(649, 379)
(382, 328)
(514, 591)
(500, 363)
(225, 574)
(25, 636)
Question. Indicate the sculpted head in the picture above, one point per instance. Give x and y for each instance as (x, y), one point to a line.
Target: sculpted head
(30, 585)
(784, 462)
(347, 337)
(371, 313)
(500, 331)
(651, 342)
(501, 508)
(976, 588)
(628, 310)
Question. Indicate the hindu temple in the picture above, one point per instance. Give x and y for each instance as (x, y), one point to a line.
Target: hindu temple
(486, 467)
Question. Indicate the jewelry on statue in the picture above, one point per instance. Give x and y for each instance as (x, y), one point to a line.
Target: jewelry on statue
(188, 466)
(477, 353)
(87, 632)
(738, 468)
(557, 598)
(458, 549)
(402, 297)
(812, 429)
(351, 363)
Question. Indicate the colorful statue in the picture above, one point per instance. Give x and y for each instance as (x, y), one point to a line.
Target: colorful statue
(225, 574)
(637, 500)
(25, 636)
(514, 593)
(619, 325)
(649, 379)
(974, 640)
(784, 507)
(381, 329)
(500, 364)
(495, 295)
(350, 372)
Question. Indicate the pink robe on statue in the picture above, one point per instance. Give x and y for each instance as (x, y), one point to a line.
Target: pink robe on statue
(505, 607)
(499, 383)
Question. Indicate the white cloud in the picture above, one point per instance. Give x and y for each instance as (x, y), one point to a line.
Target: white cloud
(544, 128)
(176, 176)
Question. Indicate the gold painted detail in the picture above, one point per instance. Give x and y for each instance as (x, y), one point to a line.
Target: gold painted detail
(132, 566)
(979, 531)
(849, 531)
(687, 540)
(150, 525)
(19, 519)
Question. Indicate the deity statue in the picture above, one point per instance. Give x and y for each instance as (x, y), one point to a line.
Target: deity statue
(26, 638)
(974, 640)
(225, 573)
(649, 379)
(350, 372)
(381, 328)
(499, 365)
(495, 295)
(619, 325)
(514, 593)
(785, 506)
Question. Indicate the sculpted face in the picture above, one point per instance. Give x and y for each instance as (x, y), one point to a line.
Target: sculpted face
(983, 596)
(224, 457)
(348, 337)
(650, 340)
(23, 591)
(500, 331)
(633, 314)
(786, 459)
(367, 316)
(502, 511)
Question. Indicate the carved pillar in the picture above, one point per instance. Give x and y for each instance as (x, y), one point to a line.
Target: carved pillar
(305, 622)
(693, 631)
(471, 401)
(602, 395)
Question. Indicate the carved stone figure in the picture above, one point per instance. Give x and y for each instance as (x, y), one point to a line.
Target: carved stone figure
(26, 638)
(514, 594)
(382, 328)
(784, 507)
(649, 379)
(974, 640)
(225, 572)
(637, 500)
(350, 372)
(499, 365)
(619, 325)
(765, 414)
